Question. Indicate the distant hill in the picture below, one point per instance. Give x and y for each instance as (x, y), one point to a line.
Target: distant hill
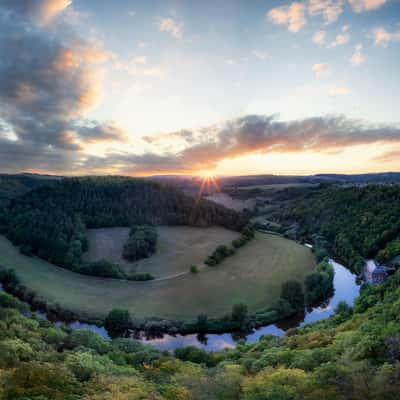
(15, 185)
(192, 184)
(51, 220)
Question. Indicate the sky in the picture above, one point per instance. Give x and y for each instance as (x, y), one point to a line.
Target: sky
(199, 87)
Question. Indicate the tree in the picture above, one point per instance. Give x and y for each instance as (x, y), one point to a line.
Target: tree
(117, 322)
(292, 292)
(239, 314)
(36, 380)
(142, 242)
(202, 321)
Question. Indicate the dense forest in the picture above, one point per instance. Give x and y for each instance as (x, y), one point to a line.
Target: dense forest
(50, 221)
(354, 355)
(352, 222)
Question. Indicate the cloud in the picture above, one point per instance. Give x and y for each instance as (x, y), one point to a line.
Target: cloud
(48, 82)
(338, 91)
(252, 134)
(139, 60)
(292, 15)
(172, 27)
(389, 156)
(382, 37)
(261, 55)
(340, 39)
(329, 9)
(357, 58)
(321, 70)
(360, 6)
(95, 131)
(138, 66)
(38, 11)
(319, 37)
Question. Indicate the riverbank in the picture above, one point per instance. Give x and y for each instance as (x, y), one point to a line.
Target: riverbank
(346, 289)
(252, 276)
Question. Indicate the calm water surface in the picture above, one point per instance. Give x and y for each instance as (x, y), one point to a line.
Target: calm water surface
(346, 289)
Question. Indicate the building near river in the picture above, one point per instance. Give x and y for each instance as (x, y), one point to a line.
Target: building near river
(375, 273)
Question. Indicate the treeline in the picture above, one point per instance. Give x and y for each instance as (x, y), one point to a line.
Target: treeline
(50, 221)
(353, 223)
(353, 355)
(224, 251)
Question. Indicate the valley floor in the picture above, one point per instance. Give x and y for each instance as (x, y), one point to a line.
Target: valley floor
(253, 276)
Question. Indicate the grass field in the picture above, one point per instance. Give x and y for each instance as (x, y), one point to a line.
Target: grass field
(276, 186)
(252, 276)
(178, 248)
(229, 202)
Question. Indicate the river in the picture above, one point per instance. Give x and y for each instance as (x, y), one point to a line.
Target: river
(346, 288)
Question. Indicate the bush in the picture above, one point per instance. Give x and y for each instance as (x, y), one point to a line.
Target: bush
(195, 355)
(102, 268)
(9, 301)
(194, 269)
(140, 277)
(91, 340)
(210, 261)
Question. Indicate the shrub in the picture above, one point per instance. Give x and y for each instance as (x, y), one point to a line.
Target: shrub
(102, 268)
(140, 277)
(194, 269)
(9, 301)
(210, 261)
(91, 340)
(195, 355)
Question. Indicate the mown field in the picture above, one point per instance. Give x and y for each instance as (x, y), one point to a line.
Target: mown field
(178, 248)
(275, 186)
(252, 276)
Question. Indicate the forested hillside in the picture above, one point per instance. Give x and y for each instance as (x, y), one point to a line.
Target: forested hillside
(352, 222)
(354, 355)
(12, 186)
(50, 221)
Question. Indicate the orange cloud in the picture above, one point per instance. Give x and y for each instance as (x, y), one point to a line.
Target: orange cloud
(48, 9)
(292, 15)
(360, 6)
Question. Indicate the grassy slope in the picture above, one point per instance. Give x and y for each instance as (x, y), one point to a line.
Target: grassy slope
(252, 276)
(178, 248)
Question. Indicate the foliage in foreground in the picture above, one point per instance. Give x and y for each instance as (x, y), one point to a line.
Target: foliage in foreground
(354, 355)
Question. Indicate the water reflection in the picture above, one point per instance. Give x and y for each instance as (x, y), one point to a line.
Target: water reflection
(346, 288)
